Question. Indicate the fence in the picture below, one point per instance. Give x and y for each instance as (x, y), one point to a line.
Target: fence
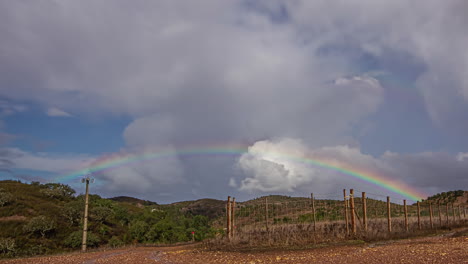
(293, 220)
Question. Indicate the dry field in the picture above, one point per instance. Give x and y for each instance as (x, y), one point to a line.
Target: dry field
(448, 248)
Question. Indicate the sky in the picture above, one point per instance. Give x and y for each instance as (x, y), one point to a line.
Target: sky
(178, 100)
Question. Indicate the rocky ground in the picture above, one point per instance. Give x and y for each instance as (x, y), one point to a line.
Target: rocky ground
(448, 248)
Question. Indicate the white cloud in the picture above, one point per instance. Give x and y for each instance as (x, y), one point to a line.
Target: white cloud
(56, 112)
(268, 167)
(57, 164)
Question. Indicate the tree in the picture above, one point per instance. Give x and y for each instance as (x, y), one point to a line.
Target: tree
(73, 212)
(39, 224)
(101, 214)
(58, 191)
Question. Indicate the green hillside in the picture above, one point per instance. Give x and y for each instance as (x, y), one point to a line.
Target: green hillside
(47, 218)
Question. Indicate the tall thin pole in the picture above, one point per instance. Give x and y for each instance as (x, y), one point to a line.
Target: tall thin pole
(353, 216)
(85, 220)
(313, 209)
(459, 213)
(440, 215)
(266, 213)
(419, 215)
(406, 215)
(346, 211)
(447, 213)
(364, 210)
(228, 218)
(233, 212)
(453, 215)
(430, 215)
(389, 217)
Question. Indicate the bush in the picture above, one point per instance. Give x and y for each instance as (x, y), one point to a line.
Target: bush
(7, 246)
(39, 225)
(5, 198)
(75, 240)
(101, 214)
(138, 230)
(115, 242)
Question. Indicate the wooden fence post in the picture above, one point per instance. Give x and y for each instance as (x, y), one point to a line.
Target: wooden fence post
(364, 211)
(453, 215)
(346, 212)
(389, 217)
(406, 215)
(353, 216)
(459, 213)
(430, 215)
(233, 216)
(447, 213)
(228, 218)
(266, 213)
(313, 209)
(419, 215)
(440, 215)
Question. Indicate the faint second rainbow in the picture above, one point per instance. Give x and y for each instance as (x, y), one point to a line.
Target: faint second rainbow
(118, 160)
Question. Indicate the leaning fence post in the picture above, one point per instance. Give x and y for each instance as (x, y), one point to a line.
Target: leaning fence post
(406, 215)
(389, 217)
(364, 211)
(346, 211)
(419, 215)
(430, 215)
(353, 216)
(313, 209)
(228, 218)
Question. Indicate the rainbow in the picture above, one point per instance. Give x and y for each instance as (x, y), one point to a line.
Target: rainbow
(118, 160)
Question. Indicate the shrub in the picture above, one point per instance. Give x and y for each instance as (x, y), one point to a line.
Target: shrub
(101, 214)
(7, 246)
(75, 240)
(5, 198)
(115, 242)
(39, 224)
(138, 230)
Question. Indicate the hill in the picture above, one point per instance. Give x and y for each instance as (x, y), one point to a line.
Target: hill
(47, 218)
(458, 197)
(132, 200)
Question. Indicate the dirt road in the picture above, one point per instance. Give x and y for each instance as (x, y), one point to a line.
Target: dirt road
(442, 249)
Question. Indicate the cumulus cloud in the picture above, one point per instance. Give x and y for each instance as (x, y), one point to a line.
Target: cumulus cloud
(56, 112)
(276, 165)
(271, 169)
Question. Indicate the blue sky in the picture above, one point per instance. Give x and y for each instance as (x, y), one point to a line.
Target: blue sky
(352, 84)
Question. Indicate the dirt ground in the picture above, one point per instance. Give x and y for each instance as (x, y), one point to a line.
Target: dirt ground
(440, 249)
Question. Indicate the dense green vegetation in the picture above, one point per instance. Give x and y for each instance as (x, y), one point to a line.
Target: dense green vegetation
(46, 218)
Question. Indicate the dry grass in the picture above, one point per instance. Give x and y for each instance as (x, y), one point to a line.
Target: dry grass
(326, 232)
